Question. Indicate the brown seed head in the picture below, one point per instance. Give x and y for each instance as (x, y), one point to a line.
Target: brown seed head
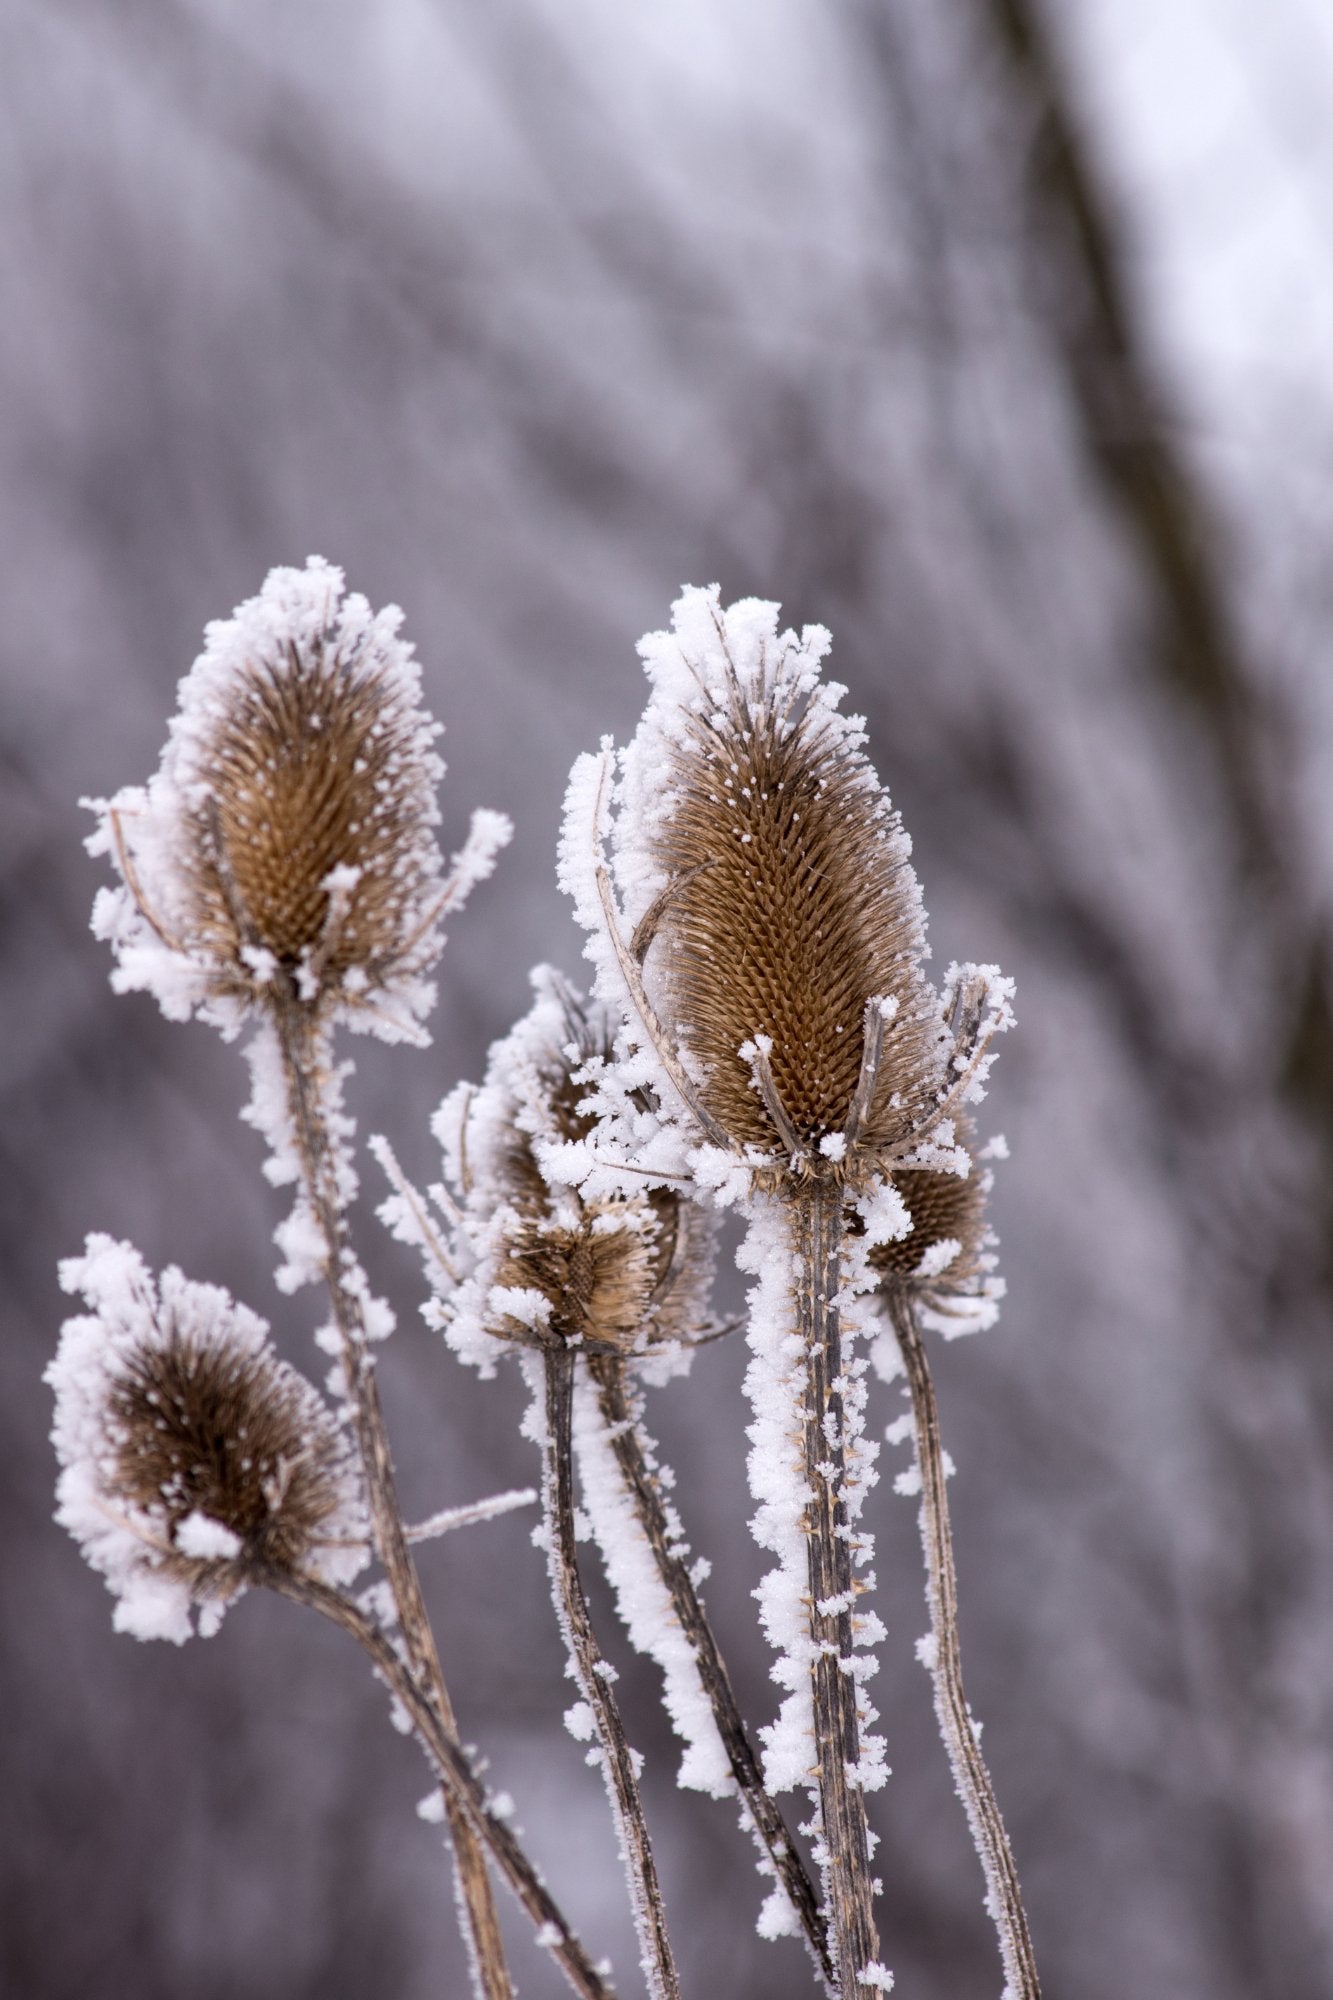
(312, 772)
(602, 1284)
(285, 851)
(308, 783)
(944, 1208)
(789, 904)
(193, 1461)
(235, 1436)
(620, 1272)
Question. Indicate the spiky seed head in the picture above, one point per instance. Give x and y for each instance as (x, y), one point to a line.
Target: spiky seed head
(779, 899)
(627, 1272)
(194, 1460)
(286, 848)
(945, 1209)
(598, 1273)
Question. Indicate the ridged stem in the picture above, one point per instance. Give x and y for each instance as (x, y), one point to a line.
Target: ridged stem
(816, 1221)
(300, 1041)
(458, 1780)
(616, 1404)
(1003, 1898)
(593, 1675)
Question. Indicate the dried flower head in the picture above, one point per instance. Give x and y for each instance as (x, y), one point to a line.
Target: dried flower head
(777, 919)
(948, 1215)
(194, 1461)
(286, 848)
(946, 1261)
(627, 1272)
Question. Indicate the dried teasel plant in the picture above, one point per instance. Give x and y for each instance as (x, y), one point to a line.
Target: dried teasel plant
(763, 1036)
(195, 1464)
(612, 1292)
(281, 871)
(576, 1287)
(761, 933)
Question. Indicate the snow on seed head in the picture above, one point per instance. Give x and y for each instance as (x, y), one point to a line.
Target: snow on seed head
(193, 1460)
(623, 1271)
(286, 846)
(783, 905)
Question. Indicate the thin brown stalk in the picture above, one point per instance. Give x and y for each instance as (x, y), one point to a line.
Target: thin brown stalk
(458, 1780)
(817, 1225)
(1003, 1899)
(299, 1042)
(594, 1673)
(614, 1401)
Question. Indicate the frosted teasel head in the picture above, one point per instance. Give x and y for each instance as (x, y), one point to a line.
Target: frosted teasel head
(768, 952)
(285, 851)
(542, 1264)
(194, 1461)
(945, 1262)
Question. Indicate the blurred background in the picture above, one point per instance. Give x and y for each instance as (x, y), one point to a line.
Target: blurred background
(995, 337)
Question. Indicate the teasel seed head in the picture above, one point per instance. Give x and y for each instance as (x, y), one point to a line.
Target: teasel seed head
(778, 922)
(624, 1272)
(194, 1461)
(285, 852)
(946, 1209)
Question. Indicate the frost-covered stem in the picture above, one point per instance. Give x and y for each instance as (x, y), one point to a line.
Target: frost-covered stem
(816, 1212)
(300, 1041)
(609, 1375)
(593, 1675)
(1003, 1899)
(459, 1782)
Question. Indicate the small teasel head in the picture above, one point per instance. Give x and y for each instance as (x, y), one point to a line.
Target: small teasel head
(927, 1231)
(945, 1262)
(194, 1461)
(286, 852)
(778, 923)
(543, 1261)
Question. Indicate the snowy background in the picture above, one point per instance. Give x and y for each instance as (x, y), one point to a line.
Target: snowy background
(1005, 360)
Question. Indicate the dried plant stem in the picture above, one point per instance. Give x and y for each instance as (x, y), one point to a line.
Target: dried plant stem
(300, 1041)
(817, 1228)
(593, 1674)
(618, 1413)
(1003, 1898)
(461, 1786)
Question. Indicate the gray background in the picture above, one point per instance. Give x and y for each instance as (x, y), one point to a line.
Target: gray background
(526, 315)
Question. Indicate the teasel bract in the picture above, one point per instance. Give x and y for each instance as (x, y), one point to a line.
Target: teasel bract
(760, 932)
(194, 1462)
